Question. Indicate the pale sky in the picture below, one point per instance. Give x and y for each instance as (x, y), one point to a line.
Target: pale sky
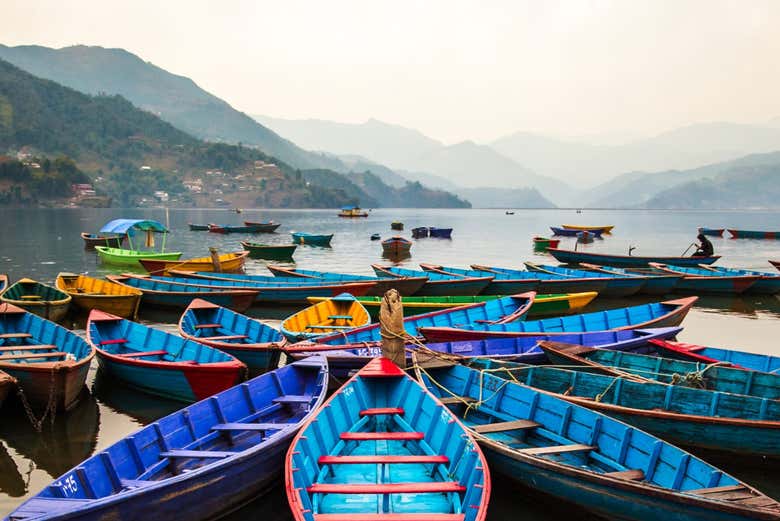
(453, 69)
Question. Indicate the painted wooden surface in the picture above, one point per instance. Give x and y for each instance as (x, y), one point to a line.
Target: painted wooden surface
(89, 293)
(45, 301)
(334, 315)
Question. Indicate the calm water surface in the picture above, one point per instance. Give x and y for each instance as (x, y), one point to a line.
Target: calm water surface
(40, 243)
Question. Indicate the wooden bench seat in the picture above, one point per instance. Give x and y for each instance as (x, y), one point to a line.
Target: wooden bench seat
(113, 341)
(249, 426)
(450, 400)
(339, 317)
(505, 426)
(29, 347)
(387, 488)
(216, 454)
(323, 326)
(358, 460)
(139, 354)
(389, 517)
(394, 436)
(4, 336)
(55, 354)
(208, 326)
(631, 475)
(556, 449)
(224, 337)
(379, 411)
(293, 398)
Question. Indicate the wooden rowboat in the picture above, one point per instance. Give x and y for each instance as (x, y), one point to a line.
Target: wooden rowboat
(587, 458)
(43, 300)
(624, 261)
(352, 211)
(603, 229)
(158, 293)
(130, 257)
(665, 370)
(718, 355)
(438, 284)
(340, 313)
(228, 263)
(440, 233)
(89, 293)
(504, 278)
(268, 227)
(49, 362)
(753, 234)
(691, 417)
(197, 463)
(574, 233)
(396, 246)
(310, 239)
(544, 305)
(122, 257)
(655, 283)
(403, 285)
(382, 448)
(160, 363)
(767, 284)
(699, 280)
(198, 227)
(269, 251)
(542, 243)
(657, 314)
(247, 228)
(254, 343)
(94, 239)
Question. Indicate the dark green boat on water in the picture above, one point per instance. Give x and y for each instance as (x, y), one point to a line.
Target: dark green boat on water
(269, 251)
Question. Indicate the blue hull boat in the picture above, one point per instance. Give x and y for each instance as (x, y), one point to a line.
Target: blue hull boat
(197, 463)
(767, 284)
(160, 363)
(343, 359)
(311, 239)
(659, 314)
(500, 310)
(617, 286)
(730, 423)
(655, 283)
(439, 284)
(624, 261)
(589, 459)
(753, 234)
(699, 280)
(715, 355)
(255, 344)
(440, 233)
(382, 448)
(575, 233)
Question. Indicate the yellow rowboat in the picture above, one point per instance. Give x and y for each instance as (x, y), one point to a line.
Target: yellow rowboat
(331, 315)
(604, 229)
(91, 293)
(544, 305)
(228, 263)
(45, 301)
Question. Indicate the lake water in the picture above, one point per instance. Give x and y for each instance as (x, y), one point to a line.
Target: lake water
(39, 243)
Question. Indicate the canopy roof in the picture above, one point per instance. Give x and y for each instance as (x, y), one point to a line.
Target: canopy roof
(123, 225)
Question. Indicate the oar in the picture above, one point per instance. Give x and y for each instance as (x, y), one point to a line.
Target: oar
(688, 248)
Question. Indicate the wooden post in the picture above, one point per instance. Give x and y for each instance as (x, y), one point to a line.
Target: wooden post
(391, 322)
(215, 260)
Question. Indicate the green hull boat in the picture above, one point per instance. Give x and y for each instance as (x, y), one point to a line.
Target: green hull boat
(120, 257)
(269, 251)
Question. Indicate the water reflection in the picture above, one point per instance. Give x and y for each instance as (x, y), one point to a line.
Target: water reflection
(143, 408)
(11, 481)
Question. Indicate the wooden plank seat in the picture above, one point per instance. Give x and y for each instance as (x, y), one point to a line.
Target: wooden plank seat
(728, 493)
(505, 426)
(379, 411)
(113, 341)
(323, 326)
(249, 426)
(450, 400)
(31, 297)
(339, 317)
(139, 354)
(631, 475)
(386, 488)
(135, 483)
(556, 449)
(5, 336)
(28, 347)
(293, 399)
(56, 354)
(208, 326)
(225, 337)
(389, 517)
(216, 454)
(359, 460)
(390, 436)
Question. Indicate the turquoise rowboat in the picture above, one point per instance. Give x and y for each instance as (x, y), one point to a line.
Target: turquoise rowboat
(658, 314)
(617, 286)
(587, 458)
(713, 420)
(655, 283)
(160, 363)
(255, 344)
(717, 355)
(439, 284)
(767, 284)
(666, 370)
(699, 280)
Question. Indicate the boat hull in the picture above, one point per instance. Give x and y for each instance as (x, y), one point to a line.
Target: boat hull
(90, 241)
(603, 229)
(53, 312)
(624, 261)
(753, 234)
(257, 251)
(228, 263)
(712, 232)
(312, 240)
(120, 257)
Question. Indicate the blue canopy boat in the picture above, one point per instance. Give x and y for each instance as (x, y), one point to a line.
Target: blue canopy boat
(165, 294)
(655, 283)
(197, 463)
(767, 284)
(343, 359)
(657, 314)
(617, 286)
(714, 420)
(666, 370)
(382, 448)
(584, 457)
(624, 261)
(700, 280)
(715, 355)
(575, 233)
(439, 284)
(310, 239)
(255, 344)
(130, 257)
(160, 363)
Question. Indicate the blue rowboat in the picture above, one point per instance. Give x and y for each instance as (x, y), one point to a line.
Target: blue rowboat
(617, 286)
(405, 286)
(715, 355)
(712, 232)
(440, 233)
(584, 457)
(714, 420)
(165, 294)
(382, 448)
(624, 261)
(343, 359)
(502, 284)
(500, 310)
(50, 363)
(310, 239)
(767, 284)
(197, 463)
(262, 292)
(160, 363)
(752, 234)
(655, 283)
(547, 282)
(575, 233)
(255, 344)
(699, 280)
(665, 370)
(657, 314)
(438, 284)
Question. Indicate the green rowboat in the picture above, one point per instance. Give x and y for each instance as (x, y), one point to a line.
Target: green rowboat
(544, 305)
(269, 251)
(120, 257)
(130, 257)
